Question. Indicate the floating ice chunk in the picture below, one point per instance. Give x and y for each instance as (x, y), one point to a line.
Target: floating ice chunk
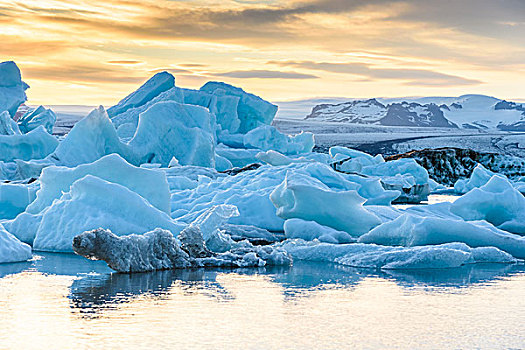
(14, 198)
(382, 257)
(339, 153)
(36, 144)
(40, 116)
(307, 198)
(12, 88)
(150, 184)
(159, 250)
(11, 249)
(7, 125)
(410, 230)
(403, 166)
(157, 84)
(93, 203)
(171, 129)
(267, 137)
(497, 202)
(310, 230)
(155, 250)
(435, 186)
(126, 122)
(89, 140)
(479, 177)
(252, 110)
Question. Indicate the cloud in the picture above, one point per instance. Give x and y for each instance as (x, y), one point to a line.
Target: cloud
(80, 73)
(265, 74)
(125, 62)
(412, 76)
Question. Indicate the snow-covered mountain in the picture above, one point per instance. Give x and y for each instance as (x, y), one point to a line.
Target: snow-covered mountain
(467, 111)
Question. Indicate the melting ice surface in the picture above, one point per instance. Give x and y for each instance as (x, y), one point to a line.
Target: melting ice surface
(63, 301)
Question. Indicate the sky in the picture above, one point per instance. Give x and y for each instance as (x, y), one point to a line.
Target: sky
(96, 52)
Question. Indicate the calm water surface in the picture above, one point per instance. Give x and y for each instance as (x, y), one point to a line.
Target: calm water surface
(61, 301)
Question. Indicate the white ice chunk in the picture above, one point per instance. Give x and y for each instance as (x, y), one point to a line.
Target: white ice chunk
(410, 230)
(93, 203)
(150, 184)
(267, 137)
(307, 198)
(497, 202)
(36, 144)
(171, 129)
(7, 125)
(40, 116)
(157, 84)
(252, 110)
(11, 249)
(12, 88)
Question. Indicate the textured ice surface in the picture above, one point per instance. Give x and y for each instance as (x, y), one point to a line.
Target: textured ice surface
(252, 110)
(412, 230)
(497, 202)
(310, 230)
(159, 250)
(169, 129)
(157, 84)
(40, 116)
(36, 144)
(11, 249)
(267, 137)
(7, 125)
(307, 198)
(90, 139)
(383, 257)
(479, 177)
(14, 198)
(126, 122)
(12, 88)
(92, 203)
(150, 184)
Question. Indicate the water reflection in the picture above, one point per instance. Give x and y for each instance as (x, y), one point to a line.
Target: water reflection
(93, 293)
(97, 288)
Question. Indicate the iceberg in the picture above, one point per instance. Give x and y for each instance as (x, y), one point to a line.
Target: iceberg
(302, 197)
(126, 122)
(12, 88)
(394, 258)
(267, 137)
(90, 139)
(40, 116)
(151, 185)
(160, 250)
(14, 199)
(37, 144)
(7, 125)
(171, 129)
(11, 249)
(252, 110)
(413, 230)
(497, 202)
(479, 177)
(223, 106)
(92, 203)
(157, 84)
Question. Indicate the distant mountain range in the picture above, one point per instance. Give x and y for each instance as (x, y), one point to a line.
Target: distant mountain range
(467, 111)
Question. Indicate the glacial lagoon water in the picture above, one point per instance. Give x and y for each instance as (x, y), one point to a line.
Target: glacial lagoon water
(62, 301)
